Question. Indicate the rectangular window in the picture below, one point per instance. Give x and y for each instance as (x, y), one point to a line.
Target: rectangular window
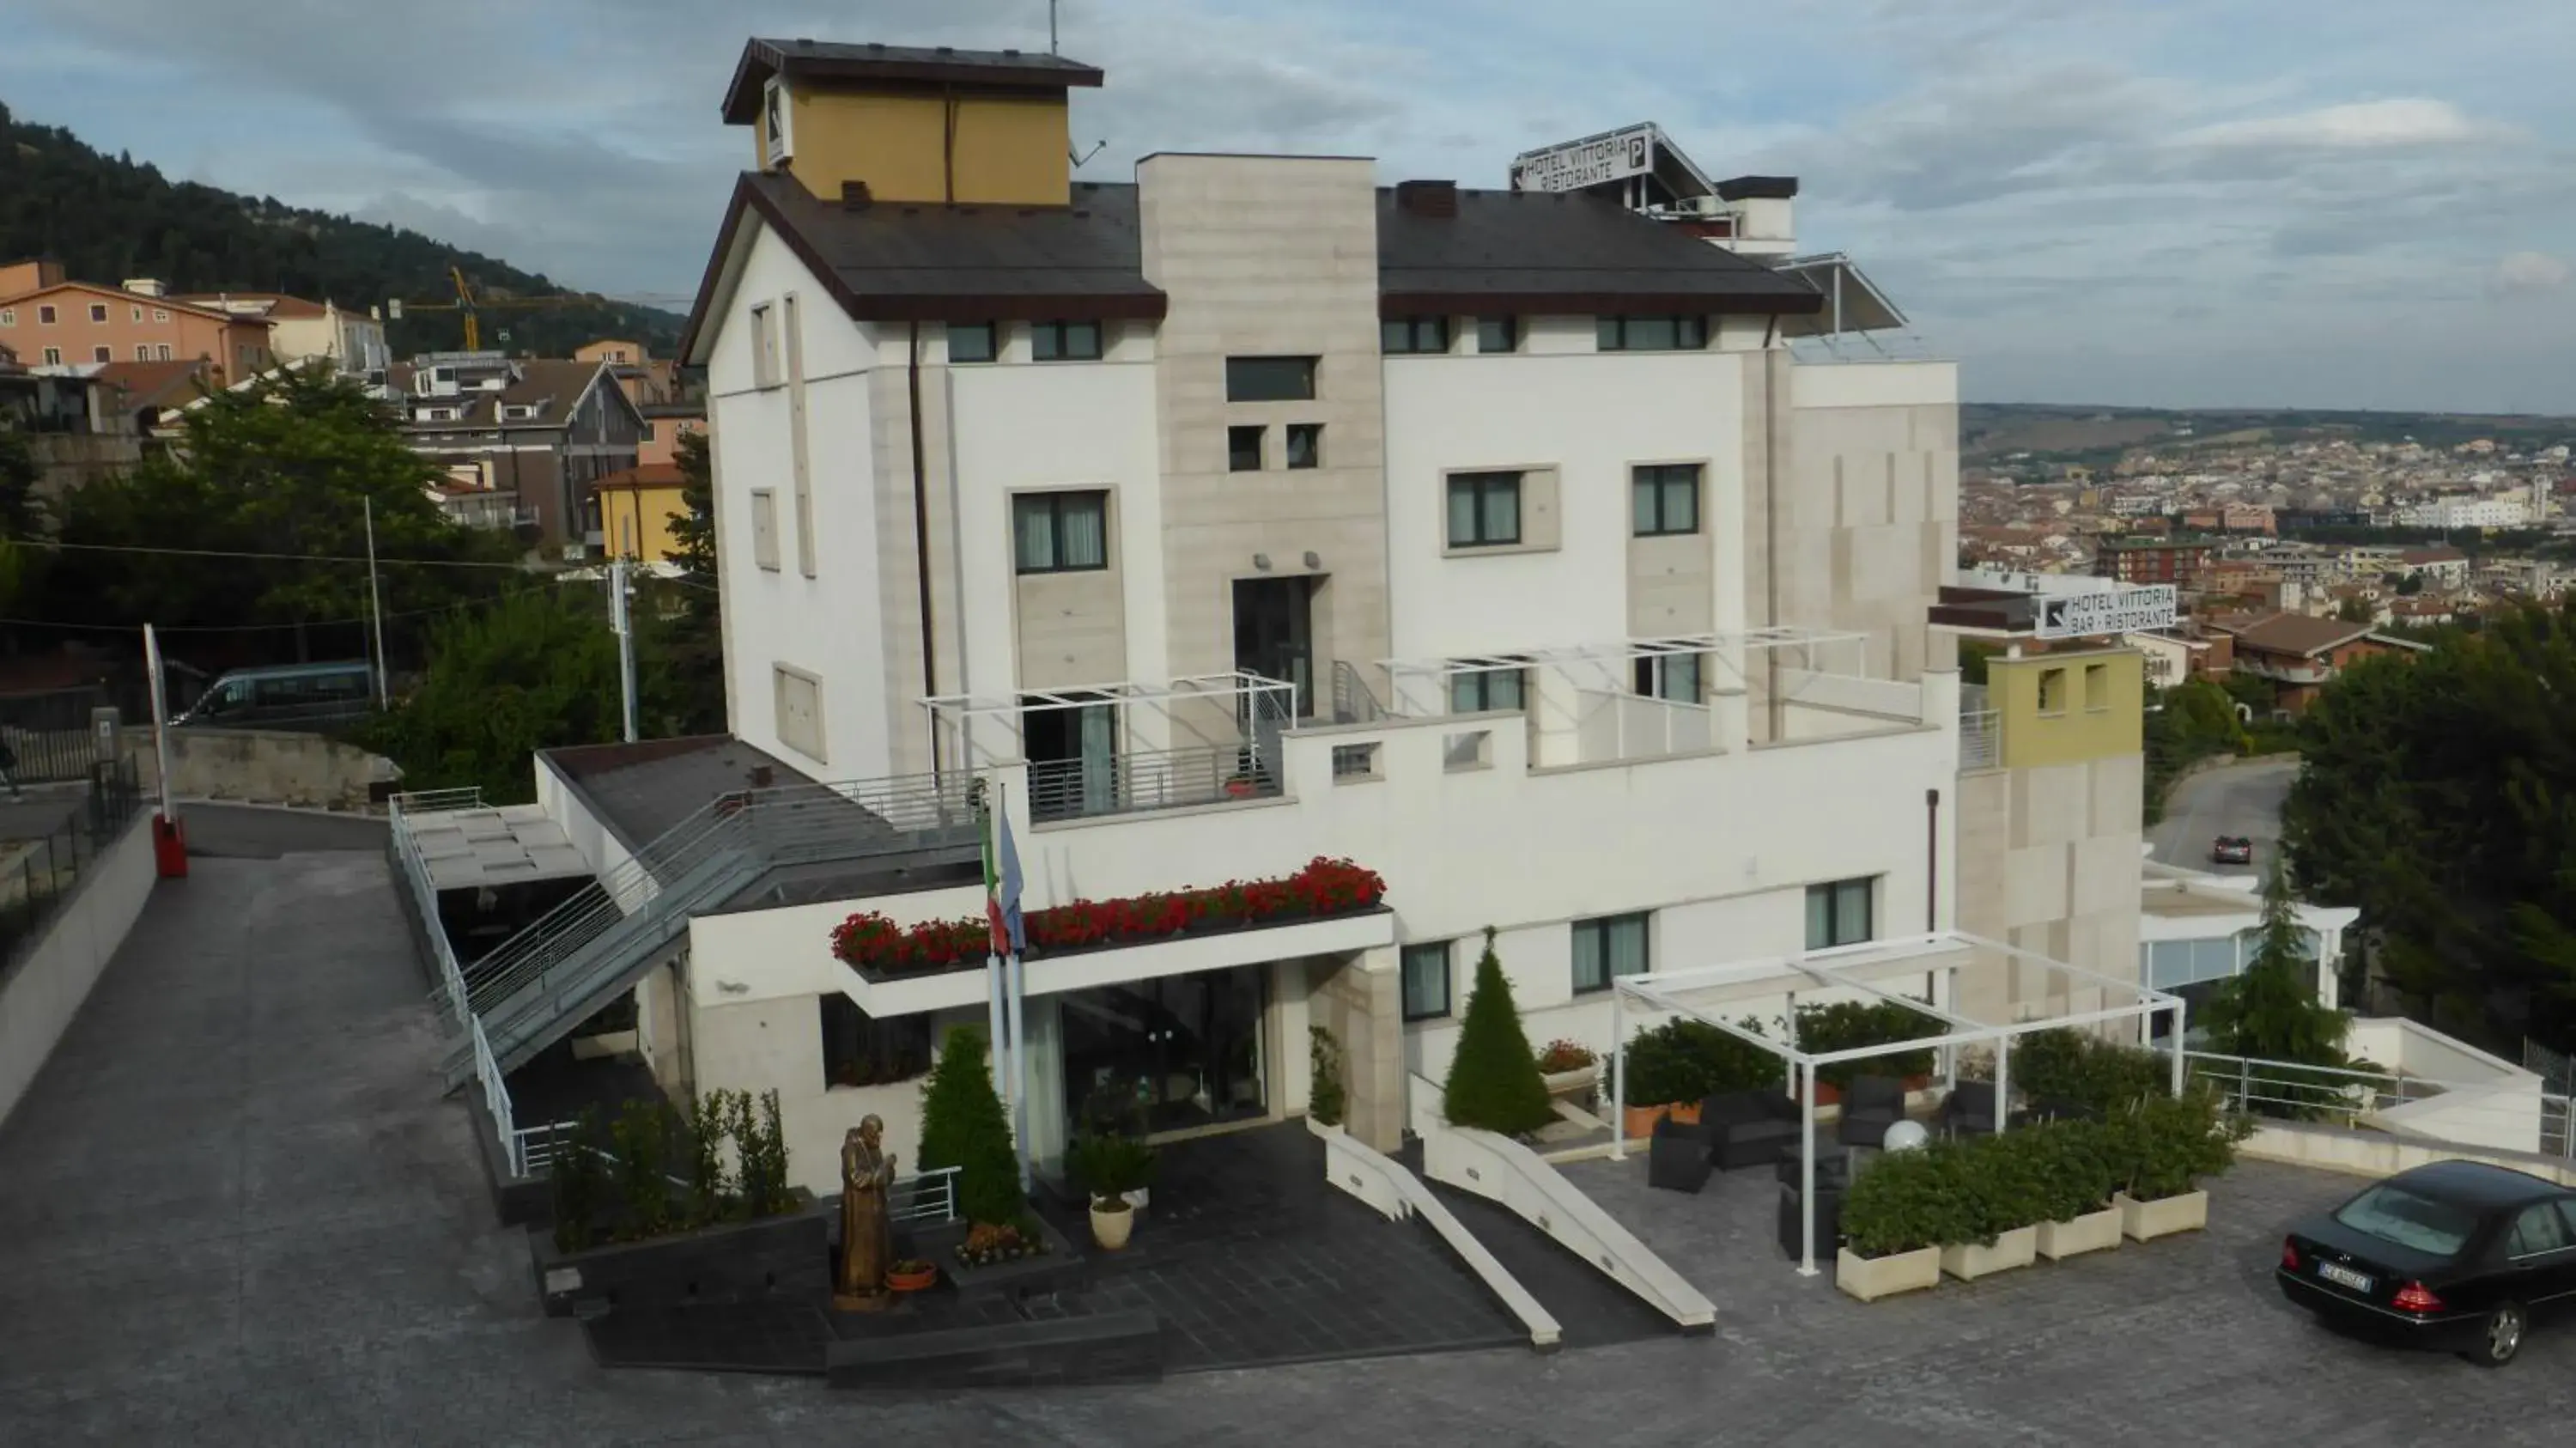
(102, 354)
(1065, 341)
(138, 314)
(1838, 914)
(1486, 689)
(971, 342)
(98, 311)
(798, 698)
(1305, 444)
(161, 352)
(1354, 761)
(861, 1050)
(1269, 379)
(1669, 676)
(45, 316)
(1243, 448)
(2097, 686)
(1607, 949)
(1498, 334)
(1666, 498)
(765, 371)
(1060, 532)
(648, 432)
(160, 314)
(2052, 691)
(1399, 335)
(142, 351)
(8, 316)
(1484, 510)
(53, 356)
(1652, 334)
(1426, 981)
(764, 529)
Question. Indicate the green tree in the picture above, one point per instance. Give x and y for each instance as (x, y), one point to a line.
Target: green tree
(21, 513)
(2353, 610)
(692, 625)
(2270, 1011)
(535, 671)
(2192, 721)
(1494, 1082)
(962, 1126)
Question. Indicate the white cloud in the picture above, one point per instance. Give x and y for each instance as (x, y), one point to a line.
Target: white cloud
(2531, 271)
(2360, 125)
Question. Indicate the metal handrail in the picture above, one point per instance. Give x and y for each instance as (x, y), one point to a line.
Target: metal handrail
(1061, 789)
(930, 1196)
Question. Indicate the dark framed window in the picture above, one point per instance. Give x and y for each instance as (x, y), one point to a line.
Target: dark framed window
(1839, 913)
(1498, 334)
(1305, 444)
(1606, 949)
(1484, 510)
(1060, 532)
(1665, 498)
(44, 316)
(1064, 341)
(1485, 689)
(1669, 676)
(98, 311)
(102, 354)
(1269, 379)
(1243, 448)
(861, 1050)
(1426, 981)
(1413, 334)
(1652, 334)
(973, 342)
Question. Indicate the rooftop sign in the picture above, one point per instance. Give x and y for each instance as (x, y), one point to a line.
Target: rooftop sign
(1592, 161)
(2133, 609)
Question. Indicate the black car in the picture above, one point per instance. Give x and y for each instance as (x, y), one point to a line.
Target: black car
(2458, 1255)
(2232, 850)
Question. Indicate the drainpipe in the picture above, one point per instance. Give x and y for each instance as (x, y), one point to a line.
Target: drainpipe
(1931, 861)
(921, 542)
(1771, 527)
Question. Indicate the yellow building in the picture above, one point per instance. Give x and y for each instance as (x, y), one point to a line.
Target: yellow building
(635, 511)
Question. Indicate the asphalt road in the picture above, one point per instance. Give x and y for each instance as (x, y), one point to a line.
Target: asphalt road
(244, 832)
(2240, 799)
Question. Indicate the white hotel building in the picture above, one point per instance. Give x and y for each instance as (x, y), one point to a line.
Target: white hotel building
(1245, 513)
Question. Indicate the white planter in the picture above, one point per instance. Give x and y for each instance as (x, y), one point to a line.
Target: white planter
(1136, 1199)
(2146, 1221)
(1323, 1128)
(1871, 1278)
(1110, 1229)
(1574, 1084)
(2015, 1248)
(2092, 1232)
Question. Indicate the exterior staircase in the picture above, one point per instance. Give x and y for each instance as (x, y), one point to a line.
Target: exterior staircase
(579, 957)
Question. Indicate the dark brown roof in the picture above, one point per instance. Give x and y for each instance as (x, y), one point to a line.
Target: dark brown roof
(156, 384)
(648, 475)
(1558, 251)
(551, 385)
(902, 64)
(2292, 633)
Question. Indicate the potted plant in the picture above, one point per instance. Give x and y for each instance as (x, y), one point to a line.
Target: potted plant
(911, 1274)
(2000, 1191)
(1239, 786)
(989, 1244)
(2163, 1146)
(1895, 1218)
(1570, 1069)
(1108, 1168)
(2074, 1173)
(1324, 1095)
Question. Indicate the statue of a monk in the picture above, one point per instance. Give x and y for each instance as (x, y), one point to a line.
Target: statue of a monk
(867, 1234)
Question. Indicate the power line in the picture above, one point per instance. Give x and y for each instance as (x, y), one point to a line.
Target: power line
(58, 545)
(168, 628)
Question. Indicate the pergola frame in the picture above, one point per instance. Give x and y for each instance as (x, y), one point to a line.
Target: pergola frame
(1829, 969)
(1717, 646)
(1256, 698)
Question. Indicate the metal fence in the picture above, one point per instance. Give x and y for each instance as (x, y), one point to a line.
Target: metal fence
(37, 871)
(2490, 1113)
(1064, 789)
(51, 733)
(929, 1197)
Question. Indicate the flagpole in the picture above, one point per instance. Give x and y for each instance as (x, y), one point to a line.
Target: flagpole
(1014, 989)
(998, 1043)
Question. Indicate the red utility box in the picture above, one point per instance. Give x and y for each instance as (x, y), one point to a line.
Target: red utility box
(169, 847)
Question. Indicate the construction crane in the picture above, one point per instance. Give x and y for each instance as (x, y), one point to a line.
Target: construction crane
(473, 304)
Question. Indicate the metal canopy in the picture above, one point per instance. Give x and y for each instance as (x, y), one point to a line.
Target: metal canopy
(1839, 968)
(1853, 303)
(1265, 706)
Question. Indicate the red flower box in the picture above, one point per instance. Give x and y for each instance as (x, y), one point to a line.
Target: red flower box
(1324, 887)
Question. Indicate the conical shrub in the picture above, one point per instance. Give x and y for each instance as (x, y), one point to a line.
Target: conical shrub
(1494, 1081)
(962, 1126)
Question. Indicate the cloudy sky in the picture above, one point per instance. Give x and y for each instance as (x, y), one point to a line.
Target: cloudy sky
(2350, 203)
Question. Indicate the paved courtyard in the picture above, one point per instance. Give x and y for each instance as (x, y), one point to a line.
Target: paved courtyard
(234, 1211)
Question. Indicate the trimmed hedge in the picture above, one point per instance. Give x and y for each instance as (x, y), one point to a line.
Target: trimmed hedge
(1494, 1082)
(962, 1126)
(1684, 1060)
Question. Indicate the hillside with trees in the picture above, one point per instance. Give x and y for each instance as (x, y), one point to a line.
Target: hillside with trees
(106, 218)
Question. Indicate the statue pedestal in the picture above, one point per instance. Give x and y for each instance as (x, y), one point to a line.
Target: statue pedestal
(877, 1301)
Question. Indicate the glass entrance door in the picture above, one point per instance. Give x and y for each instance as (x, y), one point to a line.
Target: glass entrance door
(1166, 1055)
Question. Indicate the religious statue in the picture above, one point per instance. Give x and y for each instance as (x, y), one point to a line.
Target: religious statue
(867, 1232)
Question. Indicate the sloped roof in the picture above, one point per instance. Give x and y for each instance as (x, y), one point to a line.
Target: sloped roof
(646, 476)
(2292, 633)
(157, 384)
(120, 294)
(554, 386)
(278, 305)
(1564, 251)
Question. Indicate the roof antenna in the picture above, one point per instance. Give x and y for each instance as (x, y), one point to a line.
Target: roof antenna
(1079, 157)
(1053, 48)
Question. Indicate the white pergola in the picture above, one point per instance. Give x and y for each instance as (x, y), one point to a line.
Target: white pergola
(1264, 702)
(1606, 659)
(1862, 968)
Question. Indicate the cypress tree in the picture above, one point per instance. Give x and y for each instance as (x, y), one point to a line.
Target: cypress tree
(1494, 1081)
(962, 1126)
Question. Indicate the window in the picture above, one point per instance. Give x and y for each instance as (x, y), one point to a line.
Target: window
(1065, 341)
(160, 314)
(2394, 1214)
(98, 311)
(764, 529)
(1484, 510)
(1498, 334)
(1485, 689)
(1426, 981)
(1666, 498)
(8, 316)
(1269, 379)
(1652, 334)
(142, 351)
(1413, 334)
(2052, 691)
(765, 371)
(2539, 1229)
(778, 125)
(798, 699)
(860, 1050)
(1354, 761)
(1243, 449)
(45, 316)
(972, 342)
(2097, 686)
(1607, 949)
(1838, 914)
(1669, 676)
(102, 354)
(647, 434)
(1305, 444)
(138, 314)
(1060, 532)
(53, 356)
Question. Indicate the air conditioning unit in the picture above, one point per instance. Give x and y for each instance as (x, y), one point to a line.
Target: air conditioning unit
(576, 552)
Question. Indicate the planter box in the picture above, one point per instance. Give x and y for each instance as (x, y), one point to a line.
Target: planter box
(2015, 1248)
(787, 1257)
(1572, 1085)
(2092, 1232)
(2146, 1221)
(1638, 1122)
(1325, 1129)
(1871, 1278)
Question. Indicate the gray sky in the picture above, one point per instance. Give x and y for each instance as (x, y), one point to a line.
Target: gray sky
(2353, 203)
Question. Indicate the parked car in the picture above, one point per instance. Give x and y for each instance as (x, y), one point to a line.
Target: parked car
(295, 696)
(2232, 850)
(2459, 1256)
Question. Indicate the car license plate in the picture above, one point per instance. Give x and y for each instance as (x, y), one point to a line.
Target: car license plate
(2344, 1276)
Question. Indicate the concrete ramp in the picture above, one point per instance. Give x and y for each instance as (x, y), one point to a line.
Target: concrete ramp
(1391, 1189)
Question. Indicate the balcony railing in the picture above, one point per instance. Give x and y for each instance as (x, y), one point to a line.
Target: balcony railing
(1981, 738)
(1064, 789)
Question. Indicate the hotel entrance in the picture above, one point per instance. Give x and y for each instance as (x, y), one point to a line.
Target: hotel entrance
(1164, 1055)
